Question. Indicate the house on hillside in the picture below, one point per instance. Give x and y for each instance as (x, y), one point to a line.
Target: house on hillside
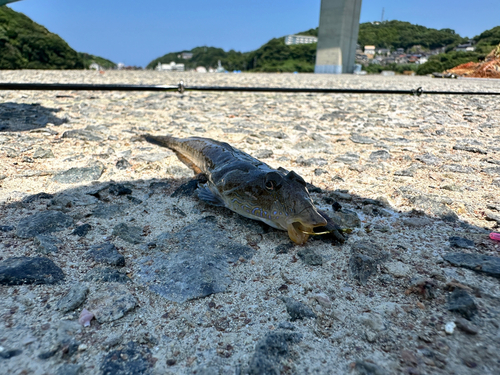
(466, 47)
(95, 66)
(422, 60)
(172, 67)
(383, 51)
(300, 39)
(370, 51)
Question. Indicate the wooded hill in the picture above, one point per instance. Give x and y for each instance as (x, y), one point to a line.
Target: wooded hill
(24, 44)
(275, 55)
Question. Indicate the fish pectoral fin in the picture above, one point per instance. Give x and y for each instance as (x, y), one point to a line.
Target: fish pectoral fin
(207, 196)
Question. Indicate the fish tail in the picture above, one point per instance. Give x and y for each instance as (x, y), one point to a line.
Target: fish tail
(163, 141)
(175, 145)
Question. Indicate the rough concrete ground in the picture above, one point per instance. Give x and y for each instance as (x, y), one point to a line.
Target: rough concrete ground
(178, 286)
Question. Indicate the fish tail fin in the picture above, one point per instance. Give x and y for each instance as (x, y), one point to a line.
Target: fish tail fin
(163, 141)
(173, 144)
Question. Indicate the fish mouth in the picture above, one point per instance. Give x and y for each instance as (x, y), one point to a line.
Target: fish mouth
(300, 230)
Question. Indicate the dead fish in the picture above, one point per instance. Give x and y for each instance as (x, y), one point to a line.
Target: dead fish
(250, 187)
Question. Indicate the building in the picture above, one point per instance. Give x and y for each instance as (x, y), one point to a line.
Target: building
(186, 55)
(466, 47)
(95, 66)
(300, 39)
(383, 51)
(422, 60)
(172, 67)
(369, 51)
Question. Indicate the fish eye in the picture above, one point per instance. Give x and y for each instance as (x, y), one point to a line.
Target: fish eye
(273, 181)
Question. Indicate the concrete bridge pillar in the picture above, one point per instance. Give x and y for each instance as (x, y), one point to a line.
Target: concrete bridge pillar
(337, 37)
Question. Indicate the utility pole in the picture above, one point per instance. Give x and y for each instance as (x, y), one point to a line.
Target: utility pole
(337, 36)
(382, 19)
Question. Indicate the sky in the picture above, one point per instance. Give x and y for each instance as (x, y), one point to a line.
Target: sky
(136, 32)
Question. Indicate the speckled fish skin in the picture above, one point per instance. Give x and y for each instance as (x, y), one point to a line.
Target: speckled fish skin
(248, 186)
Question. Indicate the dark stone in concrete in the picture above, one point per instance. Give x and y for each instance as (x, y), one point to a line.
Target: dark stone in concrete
(6, 228)
(345, 218)
(69, 369)
(46, 244)
(274, 134)
(318, 162)
(111, 302)
(91, 172)
(368, 368)
(70, 200)
(263, 154)
(362, 267)
(461, 302)
(106, 275)
(81, 230)
(159, 185)
(270, 350)
(195, 263)
(485, 264)
(131, 360)
(436, 205)
(107, 211)
(81, 134)
(122, 164)
(37, 197)
(468, 148)
(106, 253)
(25, 270)
(349, 158)
(428, 159)
(186, 190)
(74, 298)
(297, 310)
(42, 223)
(310, 257)
(358, 138)
(284, 248)
(134, 200)
(6, 354)
(42, 153)
(128, 233)
(461, 242)
(380, 155)
(119, 189)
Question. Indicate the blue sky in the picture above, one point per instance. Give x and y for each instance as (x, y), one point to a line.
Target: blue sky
(136, 32)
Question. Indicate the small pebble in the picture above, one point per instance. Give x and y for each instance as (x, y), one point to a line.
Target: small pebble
(449, 328)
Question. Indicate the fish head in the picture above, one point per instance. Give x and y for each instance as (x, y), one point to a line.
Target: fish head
(284, 202)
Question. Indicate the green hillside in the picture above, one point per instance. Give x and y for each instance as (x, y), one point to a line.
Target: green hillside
(398, 34)
(27, 45)
(485, 42)
(204, 56)
(275, 55)
(88, 59)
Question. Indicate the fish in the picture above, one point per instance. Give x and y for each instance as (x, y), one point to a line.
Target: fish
(250, 187)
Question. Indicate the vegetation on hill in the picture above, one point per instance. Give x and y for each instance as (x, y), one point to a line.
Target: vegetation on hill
(485, 42)
(276, 56)
(88, 59)
(26, 45)
(203, 56)
(398, 34)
